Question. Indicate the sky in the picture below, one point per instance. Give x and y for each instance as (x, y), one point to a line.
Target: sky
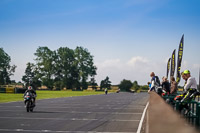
(129, 39)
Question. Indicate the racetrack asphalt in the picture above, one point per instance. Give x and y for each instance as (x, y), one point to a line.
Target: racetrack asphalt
(115, 113)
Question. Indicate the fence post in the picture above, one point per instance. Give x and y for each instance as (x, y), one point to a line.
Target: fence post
(177, 106)
(198, 114)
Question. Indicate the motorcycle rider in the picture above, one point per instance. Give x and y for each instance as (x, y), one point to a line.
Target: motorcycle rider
(190, 90)
(106, 91)
(190, 87)
(32, 91)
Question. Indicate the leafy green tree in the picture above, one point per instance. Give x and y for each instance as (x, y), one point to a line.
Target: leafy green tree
(135, 86)
(93, 83)
(30, 77)
(6, 70)
(125, 85)
(29, 74)
(84, 66)
(65, 68)
(106, 83)
(45, 61)
(144, 87)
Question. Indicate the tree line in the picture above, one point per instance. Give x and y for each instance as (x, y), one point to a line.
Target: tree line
(64, 67)
(61, 68)
(128, 85)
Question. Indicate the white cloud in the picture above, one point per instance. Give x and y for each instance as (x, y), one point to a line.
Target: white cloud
(137, 68)
(196, 66)
(109, 63)
(138, 60)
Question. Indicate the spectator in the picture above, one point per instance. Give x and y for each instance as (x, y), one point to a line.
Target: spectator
(166, 85)
(155, 84)
(191, 83)
(190, 90)
(184, 77)
(149, 85)
(174, 87)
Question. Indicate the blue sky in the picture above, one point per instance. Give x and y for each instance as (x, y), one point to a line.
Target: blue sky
(128, 38)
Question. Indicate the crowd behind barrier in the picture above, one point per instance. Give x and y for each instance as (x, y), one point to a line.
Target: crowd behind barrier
(162, 118)
(191, 113)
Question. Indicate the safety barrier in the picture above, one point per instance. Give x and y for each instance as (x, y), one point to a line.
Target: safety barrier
(2, 90)
(192, 113)
(20, 90)
(12, 90)
(162, 118)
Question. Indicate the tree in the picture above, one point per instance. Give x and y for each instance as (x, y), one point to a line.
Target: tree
(6, 70)
(29, 74)
(45, 61)
(65, 68)
(135, 86)
(93, 83)
(105, 83)
(125, 85)
(144, 87)
(84, 66)
(30, 77)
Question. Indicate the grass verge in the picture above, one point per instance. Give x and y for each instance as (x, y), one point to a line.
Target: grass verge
(7, 97)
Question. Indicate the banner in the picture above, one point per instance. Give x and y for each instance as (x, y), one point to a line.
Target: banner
(168, 67)
(173, 63)
(179, 60)
(199, 79)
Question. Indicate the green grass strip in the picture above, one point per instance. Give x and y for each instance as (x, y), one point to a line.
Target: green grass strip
(8, 97)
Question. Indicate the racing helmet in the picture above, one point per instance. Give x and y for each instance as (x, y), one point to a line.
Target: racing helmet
(186, 72)
(30, 88)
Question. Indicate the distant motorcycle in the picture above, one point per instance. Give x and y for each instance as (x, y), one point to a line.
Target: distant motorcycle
(118, 91)
(29, 100)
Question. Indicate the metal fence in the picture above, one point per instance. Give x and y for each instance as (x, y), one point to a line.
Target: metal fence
(190, 110)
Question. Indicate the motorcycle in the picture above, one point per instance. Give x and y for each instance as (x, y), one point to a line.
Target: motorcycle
(29, 101)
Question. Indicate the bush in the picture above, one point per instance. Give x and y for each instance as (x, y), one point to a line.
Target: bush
(125, 85)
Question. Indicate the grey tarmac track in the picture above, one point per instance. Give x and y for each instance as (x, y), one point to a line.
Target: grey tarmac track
(115, 113)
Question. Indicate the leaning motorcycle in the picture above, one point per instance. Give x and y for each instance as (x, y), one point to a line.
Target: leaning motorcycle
(29, 101)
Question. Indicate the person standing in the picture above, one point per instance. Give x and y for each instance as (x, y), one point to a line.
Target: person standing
(155, 83)
(190, 86)
(149, 85)
(174, 86)
(189, 92)
(166, 85)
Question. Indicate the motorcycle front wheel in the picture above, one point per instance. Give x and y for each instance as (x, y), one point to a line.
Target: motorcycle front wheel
(27, 106)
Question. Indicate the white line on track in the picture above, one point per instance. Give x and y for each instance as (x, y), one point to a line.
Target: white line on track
(51, 131)
(77, 107)
(142, 119)
(74, 112)
(69, 119)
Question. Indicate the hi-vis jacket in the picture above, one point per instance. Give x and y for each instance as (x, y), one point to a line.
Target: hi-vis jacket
(191, 84)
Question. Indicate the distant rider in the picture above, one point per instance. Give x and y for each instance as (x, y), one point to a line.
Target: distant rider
(106, 91)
